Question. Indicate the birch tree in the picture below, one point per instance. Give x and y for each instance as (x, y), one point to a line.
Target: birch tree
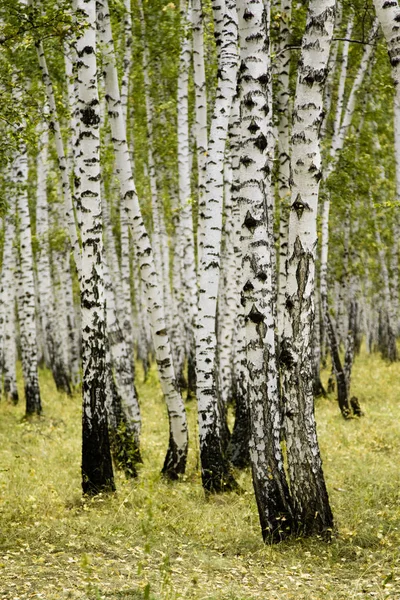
(310, 498)
(97, 472)
(175, 461)
(257, 290)
(215, 469)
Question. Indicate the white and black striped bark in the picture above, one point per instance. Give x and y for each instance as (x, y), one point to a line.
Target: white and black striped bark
(26, 288)
(127, 60)
(239, 451)
(388, 14)
(257, 289)
(312, 511)
(283, 101)
(97, 472)
(8, 297)
(215, 469)
(185, 228)
(52, 339)
(201, 133)
(175, 461)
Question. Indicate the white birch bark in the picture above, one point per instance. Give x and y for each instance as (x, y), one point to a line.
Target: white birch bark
(52, 339)
(310, 499)
(342, 79)
(239, 454)
(26, 288)
(176, 456)
(127, 60)
(201, 133)
(8, 283)
(257, 289)
(97, 473)
(283, 101)
(228, 292)
(388, 14)
(215, 474)
(185, 229)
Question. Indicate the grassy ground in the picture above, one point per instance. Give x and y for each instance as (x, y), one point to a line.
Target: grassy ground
(158, 541)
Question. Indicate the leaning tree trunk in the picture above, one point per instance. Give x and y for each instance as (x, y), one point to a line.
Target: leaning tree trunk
(312, 511)
(257, 290)
(175, 461)
(97, 472)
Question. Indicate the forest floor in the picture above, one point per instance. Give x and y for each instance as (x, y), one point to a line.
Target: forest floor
(153, 540)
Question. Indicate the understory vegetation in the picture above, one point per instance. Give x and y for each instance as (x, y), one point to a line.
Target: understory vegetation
(156, 540)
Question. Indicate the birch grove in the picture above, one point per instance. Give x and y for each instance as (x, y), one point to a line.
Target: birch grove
(212, 188)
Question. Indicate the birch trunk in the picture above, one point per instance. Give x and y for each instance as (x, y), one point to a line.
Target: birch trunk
(388, 14)
(257, 290)
(215, 470)
(239, 453)
(97, 472)
(26, 289)
(52, 338)
(201, 134)
(186, 235)
(311, 507)
(175, 461)
(8, 282)
(283, 111)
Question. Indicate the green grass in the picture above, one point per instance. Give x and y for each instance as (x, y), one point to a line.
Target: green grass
(153, 540)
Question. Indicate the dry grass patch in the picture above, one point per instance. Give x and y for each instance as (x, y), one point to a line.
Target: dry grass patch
(153, 540)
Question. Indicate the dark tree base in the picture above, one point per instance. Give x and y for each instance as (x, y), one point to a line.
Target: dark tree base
(32, 398)
(355, 405)
(215, 470)
(274, 510)
(175, 461)
(61, 380)
(97, 470)
(238, 450)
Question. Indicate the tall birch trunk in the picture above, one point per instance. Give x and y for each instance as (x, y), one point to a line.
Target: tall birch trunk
(185, 233)
(215, 469)
(52, 338)
(97, 472)
(239, 452)
(310, 498)
(257, 290)
(26, 289)
(175, 461)
(8, 283)
(201, 134)
(388, 14)
(284, 111)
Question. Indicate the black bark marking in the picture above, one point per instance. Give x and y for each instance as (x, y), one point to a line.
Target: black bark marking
(261, 143)
(255, 315)
(250, 222)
